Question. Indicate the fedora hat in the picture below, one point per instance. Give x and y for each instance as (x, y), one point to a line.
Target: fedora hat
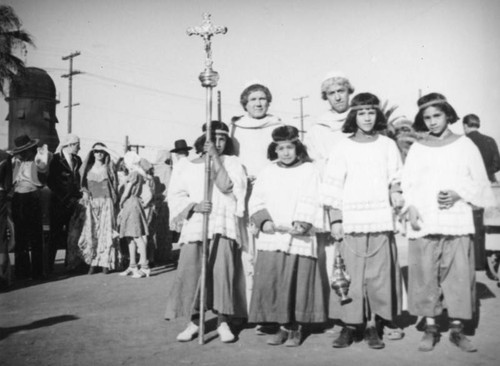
(180, 145)
(24, 142)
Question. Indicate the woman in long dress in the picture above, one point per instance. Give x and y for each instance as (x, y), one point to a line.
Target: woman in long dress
(93, 227)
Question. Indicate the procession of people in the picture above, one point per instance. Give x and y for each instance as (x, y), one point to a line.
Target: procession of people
(281, 214)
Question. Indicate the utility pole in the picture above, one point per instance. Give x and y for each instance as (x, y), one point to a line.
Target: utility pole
(219, 108)
(302, 115)
(70, 77)
(129, 146)
(126, 143)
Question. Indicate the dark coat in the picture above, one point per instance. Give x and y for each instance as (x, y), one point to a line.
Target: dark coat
(489, 152)
(63, 181)
(5, 171)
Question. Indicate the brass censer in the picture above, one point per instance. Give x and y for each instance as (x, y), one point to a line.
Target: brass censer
(340, 279)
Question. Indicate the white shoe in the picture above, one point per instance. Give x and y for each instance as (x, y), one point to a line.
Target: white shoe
(138, 273)
(225, 334)
(128, 271)
(189, 333)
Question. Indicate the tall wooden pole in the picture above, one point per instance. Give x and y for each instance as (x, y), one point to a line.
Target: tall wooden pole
(209, 79)
(70, 91)
(302, 115)
(219, 106)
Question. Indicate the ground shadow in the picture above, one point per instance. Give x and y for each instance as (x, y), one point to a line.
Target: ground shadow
(165, 268)
(60, 273)
(483, 292)
(210, 327)
(6, 332)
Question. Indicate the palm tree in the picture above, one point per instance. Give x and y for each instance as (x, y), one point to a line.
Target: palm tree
(12, 39)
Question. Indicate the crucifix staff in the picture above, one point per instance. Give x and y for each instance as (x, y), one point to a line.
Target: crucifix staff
(208, 79)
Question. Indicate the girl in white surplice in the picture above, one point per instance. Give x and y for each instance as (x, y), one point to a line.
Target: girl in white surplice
(290, 284)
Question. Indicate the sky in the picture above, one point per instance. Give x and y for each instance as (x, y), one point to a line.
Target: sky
(140, 68)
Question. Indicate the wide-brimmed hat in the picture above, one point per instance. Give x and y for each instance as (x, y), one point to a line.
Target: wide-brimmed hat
(180, 145)
(24, 142)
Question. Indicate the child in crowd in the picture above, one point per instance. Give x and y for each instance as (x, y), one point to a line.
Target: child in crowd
(443, 178)
(290, 285)
(225, 284)
(360, 189)
(132, 221)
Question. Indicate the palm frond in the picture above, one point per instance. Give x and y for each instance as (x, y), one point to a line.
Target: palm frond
(12, 38)
(19, 36)
(8, 18)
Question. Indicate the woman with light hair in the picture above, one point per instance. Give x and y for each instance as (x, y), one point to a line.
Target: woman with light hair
(132, 221)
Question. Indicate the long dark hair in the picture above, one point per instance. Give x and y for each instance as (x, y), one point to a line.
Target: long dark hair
(287, 133)
(110, 170)
(435, 100)
(214, 125)
(350, 125)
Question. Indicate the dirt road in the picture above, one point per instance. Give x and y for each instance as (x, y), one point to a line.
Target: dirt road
(112, 320)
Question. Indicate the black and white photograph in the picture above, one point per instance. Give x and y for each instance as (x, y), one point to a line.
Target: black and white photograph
(233, 182)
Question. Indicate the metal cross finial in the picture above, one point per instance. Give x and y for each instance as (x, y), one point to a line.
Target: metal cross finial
(206, 31)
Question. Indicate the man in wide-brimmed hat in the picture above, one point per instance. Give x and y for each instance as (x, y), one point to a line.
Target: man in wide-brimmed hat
(64, 182)
(181, 151)
(29, 169)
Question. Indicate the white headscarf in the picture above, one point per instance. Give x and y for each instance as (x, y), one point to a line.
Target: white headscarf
(67, 140)
(131, 160)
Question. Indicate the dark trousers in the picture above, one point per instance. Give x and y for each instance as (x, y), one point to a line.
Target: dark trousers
(27, 217)
(4, 245)
(60, 216)
(479, 240)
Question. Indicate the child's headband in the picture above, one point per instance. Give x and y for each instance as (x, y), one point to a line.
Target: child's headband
(287, 140)
(365, 106)
(432, 102)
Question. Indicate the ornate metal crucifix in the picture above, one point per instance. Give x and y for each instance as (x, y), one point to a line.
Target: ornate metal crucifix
(207, 30)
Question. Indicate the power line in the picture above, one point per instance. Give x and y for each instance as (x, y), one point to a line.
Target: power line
(132, 85)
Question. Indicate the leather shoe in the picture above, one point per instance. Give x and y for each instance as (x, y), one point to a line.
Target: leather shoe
(345, 338)
(278, 338)
(430, 338)
(294, 338)
(372, 338)
(458, 338)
